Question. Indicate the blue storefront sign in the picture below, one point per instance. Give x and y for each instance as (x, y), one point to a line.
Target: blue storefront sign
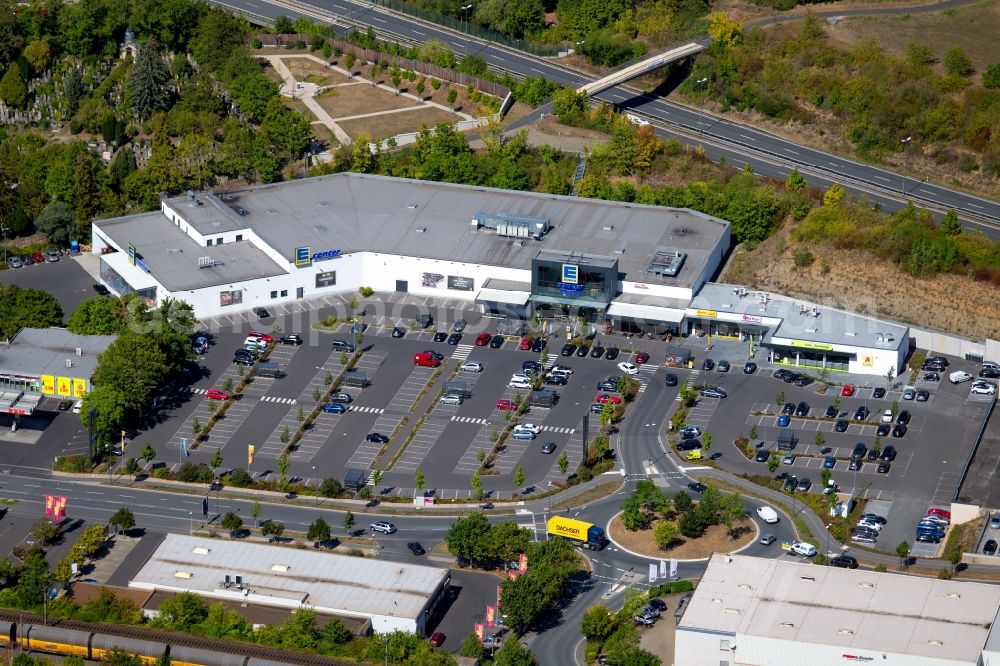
(324, 256)
(570, 273)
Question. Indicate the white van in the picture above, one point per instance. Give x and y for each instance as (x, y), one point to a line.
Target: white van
(959, 377)
(767, 514)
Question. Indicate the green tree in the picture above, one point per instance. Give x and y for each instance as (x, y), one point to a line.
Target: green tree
(834, 195)
(472, 647)
(780, 398)
(731, 509)
(957, 62)
(216, 461)
(519, 476)
(123, 519)
(820, 438)
(706, 440)
(149, 85)
(513, 653)
(283, 472)
(287, 132)
(348, 522)
(148, 453)
(319, 530)
(26, 307)
(377, 476)
(665, 532)
(255, 512)
(467, 535)
(283, 25)
(232, 522)
(950, 224)
(991, 76)
(13, 91)
(452, 96)
(272, 529)
(56, 222)
(119, 657)
(99, 315)
(181, 611)
(795, 182)
(330, 488)
(477, 485)
(598, 623)
(919, 55)
(753, 431)
(122, 166)
(563, 462)
(903, 552)
(418, 479)
(32, 582)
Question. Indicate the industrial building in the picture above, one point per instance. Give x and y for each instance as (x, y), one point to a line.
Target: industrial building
(776, 612)
(508, 252)
(800, 334)
(390, 595)
(46, 362)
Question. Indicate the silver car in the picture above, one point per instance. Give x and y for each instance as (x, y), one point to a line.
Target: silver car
(471, 366)
(451, 399)
(995, 521)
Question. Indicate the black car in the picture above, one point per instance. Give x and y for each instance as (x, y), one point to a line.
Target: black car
(293, 339)
(888, 453)
(376, 437)
(990, 547)
(791, 377)
(883, 467)
(872, 455)
(607, 385)
(841, 425)
(454, 338)
(531, 365)
(923, 395)
(789, 408)
(928, 538)
(708, 364)
(458, 326)
(64, 405)
(438, 355)
(762, 456)
(932, 367)
(659, 604)
(873, 518)
(243, 351)
(582, 351)
(398, 331)
(723, 366)
(538, 345)
(243, 360)
(855, 465)
(548, 447)
(878, 393)
(844, 562)
(990, 373)
(903, 417)
(671, 379)
(686, 445)
(861, 413)
(612, 353)
(597, 351)
(697, 487)
(440, 336)
(802, 409)
(803, 380)
(789, 484)
(568, 349)
(415, 548)
(883, 430)
(102, 290)
(935, 377)
(781, 373)
(859, 451)
(262, 313)
(831, 412)
(496, 342)
(940, 360)
(555, 380)
(899, 430)
(749, 368)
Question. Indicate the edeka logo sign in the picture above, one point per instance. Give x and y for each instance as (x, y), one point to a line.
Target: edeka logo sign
(302, 257)
(570, 273)
(324, 256)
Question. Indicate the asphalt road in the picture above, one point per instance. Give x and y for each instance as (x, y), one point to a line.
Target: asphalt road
(770, 155)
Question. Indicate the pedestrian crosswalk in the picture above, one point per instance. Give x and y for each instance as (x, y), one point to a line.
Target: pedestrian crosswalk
(282, 401)
(366, 410)
(469, 419)
(568, 431)
(462, 352)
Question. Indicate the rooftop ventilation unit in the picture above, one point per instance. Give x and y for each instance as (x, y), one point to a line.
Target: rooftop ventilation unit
(412, 206)
(280, 567)
(206, 262)
(201, 550)
(190, 195)
(174, 250)
(421, 230)
(183, 574)
(608, 227)
(323, 204)
(515, 226)
(79, 351)
(319, 227)
(667, 263)
(619, 250)
(69, 363)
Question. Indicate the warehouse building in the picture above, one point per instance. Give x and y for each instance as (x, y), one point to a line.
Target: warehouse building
(509, 252)
(47, 362)
(390, 595)
(756, 611)
(797, 333)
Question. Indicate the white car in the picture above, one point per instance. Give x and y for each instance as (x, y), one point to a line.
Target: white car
(803, 549)
(471, 366)
(528, 427)
(451, 399)
(517, 383)
(887, 416)
(636, 120)
(767, 514)
(77, 406)
(983, 389)
(561, 369)
(628, 368)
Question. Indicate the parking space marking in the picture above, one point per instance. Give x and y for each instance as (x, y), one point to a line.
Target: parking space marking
(331, 366)
(546, 428)
(420, 445)
(283, 401)
(410, 390)
(512, 451)
(365, 454)
(309, 445)
(469, 462)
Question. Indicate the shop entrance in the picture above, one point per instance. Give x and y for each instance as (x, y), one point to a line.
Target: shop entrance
(402, 286)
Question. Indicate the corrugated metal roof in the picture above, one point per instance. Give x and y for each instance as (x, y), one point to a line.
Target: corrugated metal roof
(290, 577)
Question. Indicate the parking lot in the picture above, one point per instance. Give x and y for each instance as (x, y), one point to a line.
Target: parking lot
(931, 455)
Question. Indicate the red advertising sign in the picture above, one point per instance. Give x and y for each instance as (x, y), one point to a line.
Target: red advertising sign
(491, 614)
(522, 563)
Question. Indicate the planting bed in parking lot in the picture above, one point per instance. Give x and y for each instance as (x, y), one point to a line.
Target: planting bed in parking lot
(717, 539)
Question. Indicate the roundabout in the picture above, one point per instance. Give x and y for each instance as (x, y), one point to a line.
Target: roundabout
(716, 539)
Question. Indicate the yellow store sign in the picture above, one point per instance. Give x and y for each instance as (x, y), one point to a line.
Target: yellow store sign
(707, 313)
(79, 388)
(805, 344)
(48, 384)
(64, 385)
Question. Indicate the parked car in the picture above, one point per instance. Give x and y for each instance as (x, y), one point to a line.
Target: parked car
(767, 514)
(345, 398)
(697, 487)
(376, 437)
(899, 430)
(440, 336)
(628, 368)
(262, 313)
(982, 389)
(582, 351)
(859, 451)
(708, 364)
(789, 459)
(713, 392)
(861, 413)
(524, 344)
(52, 256)
(923, 395)
(216, 394)
(99, 288)
(855, 465)
(538, 345)
(451, 399)
(903, 417)
(454, 338)
(883, 429)
(27, 260)
(523, 434)
(994, 521)
(597, 351)
(831, 412)
(883, 467)
(788, 408)
(931, 377)
(803, 380)
(829, 462)
(555, 380)
(568, 349)
(437, 638)
(496, 342)
(841, 425)
(990, 547)
(888, 453)
(688, 444)
(784, 420)
(398, 331)
(878, 393)
(690, 432)
(483, 339)
(471, 366)
(613, 399)
(909, 393)
(723, 366)
(803, 485)
(335, 408)
(847, 391)
(64, 405)
(417, 549)
(293, 339)
(14, 262)
(844, 562)
(506, 405)
(802, 409)
(642, 357)
(612, 353)
(762, 456)
(749, 368)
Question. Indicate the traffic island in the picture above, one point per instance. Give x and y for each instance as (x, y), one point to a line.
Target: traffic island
(716, 539)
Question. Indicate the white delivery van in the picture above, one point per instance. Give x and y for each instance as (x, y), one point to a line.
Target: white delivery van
(959, 377)
(767, 514)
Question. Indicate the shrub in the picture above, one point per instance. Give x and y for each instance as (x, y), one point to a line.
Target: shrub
(957, 62)
(239, 478)
(803, 257)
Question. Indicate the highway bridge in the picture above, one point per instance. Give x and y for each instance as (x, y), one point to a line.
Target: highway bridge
(642, 67)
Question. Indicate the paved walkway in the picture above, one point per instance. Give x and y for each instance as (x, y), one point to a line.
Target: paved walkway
(307, 92)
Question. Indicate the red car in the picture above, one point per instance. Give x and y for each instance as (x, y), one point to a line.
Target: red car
(38, 257)
(525, 344)
(216, 394)
(265, 337)
(847, 391)
(506, 405)
(604, 397)
(426, 360)
(483, 339)
(642, 357)
(940, 513)
(437, 639)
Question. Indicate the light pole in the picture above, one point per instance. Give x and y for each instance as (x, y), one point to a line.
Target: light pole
(4, 230)
(904, 142)
(191, 518)
(465, 13)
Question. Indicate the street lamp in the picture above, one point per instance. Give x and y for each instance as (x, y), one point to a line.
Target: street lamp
(904, 142)
(465, 13)
(4, 230)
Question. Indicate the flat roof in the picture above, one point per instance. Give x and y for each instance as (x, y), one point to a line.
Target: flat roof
(43, 351)
(801, 320)
(354, 212)
(290, 577)
(172, 256)
(850, 608)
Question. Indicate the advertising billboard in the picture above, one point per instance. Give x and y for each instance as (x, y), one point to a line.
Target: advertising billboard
(48, 384)
(432, 280)
(64, 386)
(327, 279)
(234, 297)
(461, 283)
(79, 387)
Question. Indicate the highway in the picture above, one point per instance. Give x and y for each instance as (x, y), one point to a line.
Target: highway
(770, 155)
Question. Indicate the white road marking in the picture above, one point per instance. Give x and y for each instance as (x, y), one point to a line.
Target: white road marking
(976, 206)
(748, 138)
(883, 179)
(789, 150)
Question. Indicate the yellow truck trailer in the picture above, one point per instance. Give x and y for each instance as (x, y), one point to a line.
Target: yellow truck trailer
(583, 534)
